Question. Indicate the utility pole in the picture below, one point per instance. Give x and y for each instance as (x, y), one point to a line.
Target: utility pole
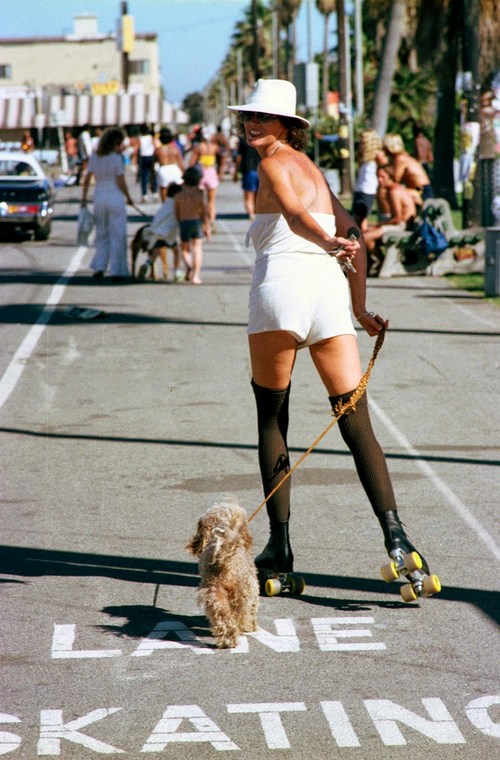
(124, 13)
(358, 36)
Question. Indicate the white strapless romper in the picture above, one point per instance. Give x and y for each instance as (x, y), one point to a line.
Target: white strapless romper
(296, 286)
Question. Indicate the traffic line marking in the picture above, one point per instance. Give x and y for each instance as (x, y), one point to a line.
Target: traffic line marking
(20, 359)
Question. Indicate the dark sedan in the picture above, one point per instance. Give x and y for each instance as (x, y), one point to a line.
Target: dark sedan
(26, 194)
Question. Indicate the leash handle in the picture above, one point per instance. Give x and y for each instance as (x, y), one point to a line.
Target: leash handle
(339, 411)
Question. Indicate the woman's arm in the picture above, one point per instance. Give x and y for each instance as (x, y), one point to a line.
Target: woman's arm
(120, 179)
(85, 187)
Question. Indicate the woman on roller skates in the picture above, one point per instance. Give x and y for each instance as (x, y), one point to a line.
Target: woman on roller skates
(304, 274)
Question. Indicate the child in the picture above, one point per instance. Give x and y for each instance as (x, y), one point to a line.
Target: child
(192, 214)
(162, 234)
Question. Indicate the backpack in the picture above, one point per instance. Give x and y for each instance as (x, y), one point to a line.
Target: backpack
(428, 240)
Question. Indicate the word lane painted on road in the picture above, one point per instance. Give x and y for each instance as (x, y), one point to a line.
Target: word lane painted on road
(190, 724)
(332, 634)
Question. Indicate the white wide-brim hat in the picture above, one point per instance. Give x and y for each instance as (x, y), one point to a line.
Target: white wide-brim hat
(275, 96)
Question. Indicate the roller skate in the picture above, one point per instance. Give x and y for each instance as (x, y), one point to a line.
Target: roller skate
(275, 564)
(406, 561)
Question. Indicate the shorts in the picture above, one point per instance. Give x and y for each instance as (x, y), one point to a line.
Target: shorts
(209, 179)
(163, 244)
(190, 229)
(250, 181)
(304, 294)
(362, 204)
(168, 174)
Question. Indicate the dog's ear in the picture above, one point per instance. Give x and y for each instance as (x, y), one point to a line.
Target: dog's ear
(197, 543)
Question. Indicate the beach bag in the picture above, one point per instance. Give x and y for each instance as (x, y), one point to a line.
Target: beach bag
(428, 240)
(86, 223)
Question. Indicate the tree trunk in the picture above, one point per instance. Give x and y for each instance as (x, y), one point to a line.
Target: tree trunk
(383, 88)
(444, 138)
(471, 204)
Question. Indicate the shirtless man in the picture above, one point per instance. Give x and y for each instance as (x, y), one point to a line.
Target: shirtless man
(171, 167)
(402, 209)
(407, 169)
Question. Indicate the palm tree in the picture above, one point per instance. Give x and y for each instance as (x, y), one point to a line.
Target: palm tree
(443, 28)
(326, 8)
(287, 13)
(388, 65)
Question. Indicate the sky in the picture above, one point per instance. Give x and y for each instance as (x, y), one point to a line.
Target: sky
(194, 35)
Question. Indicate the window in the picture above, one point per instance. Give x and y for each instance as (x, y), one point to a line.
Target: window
(139, 67)
(5, 71)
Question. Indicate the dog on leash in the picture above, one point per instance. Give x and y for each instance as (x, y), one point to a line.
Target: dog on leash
(229, 590)
(140, 244)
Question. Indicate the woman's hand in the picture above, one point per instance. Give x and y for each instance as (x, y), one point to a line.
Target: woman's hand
(372, 323)
(344, 250)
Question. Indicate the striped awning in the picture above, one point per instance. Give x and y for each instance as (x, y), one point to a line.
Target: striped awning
(78, 110)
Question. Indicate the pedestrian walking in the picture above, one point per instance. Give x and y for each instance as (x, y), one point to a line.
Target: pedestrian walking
(204, 156)
(192, 213)
(111, 192)
(171, 164)
(146, 160)
(246, 163)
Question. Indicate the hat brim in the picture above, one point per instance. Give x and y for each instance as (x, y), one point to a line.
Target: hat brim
(256, 109)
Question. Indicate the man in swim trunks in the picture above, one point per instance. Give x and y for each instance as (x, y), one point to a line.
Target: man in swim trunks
(300, 297)
(170, 160)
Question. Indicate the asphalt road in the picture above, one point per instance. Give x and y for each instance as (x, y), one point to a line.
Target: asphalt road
(118, 432)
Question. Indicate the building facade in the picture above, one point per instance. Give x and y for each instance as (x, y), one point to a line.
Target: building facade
(80, 78)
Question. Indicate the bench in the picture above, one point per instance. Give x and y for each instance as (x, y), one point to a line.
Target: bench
(464, 254)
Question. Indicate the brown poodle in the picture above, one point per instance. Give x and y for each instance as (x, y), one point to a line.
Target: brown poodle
(229, 590)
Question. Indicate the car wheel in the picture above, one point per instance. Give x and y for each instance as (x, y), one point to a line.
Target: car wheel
(42, 233)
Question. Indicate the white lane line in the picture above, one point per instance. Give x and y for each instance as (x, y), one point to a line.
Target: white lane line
(248, 258)
(440, 485)
(16, 367)
(472, 314)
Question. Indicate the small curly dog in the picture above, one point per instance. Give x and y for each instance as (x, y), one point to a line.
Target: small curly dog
(229, 590)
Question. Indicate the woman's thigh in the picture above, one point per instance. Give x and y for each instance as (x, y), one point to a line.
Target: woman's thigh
(272, 356)
(338, 363)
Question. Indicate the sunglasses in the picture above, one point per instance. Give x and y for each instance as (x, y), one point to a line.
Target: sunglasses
(263, 118)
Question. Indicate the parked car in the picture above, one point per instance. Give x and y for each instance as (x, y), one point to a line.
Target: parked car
(26, 194)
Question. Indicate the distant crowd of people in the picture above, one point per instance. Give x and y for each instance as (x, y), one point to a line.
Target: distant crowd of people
(393, 180)
(180, 172)
(389, 180)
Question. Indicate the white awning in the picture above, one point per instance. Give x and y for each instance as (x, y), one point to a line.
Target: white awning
(78, 110)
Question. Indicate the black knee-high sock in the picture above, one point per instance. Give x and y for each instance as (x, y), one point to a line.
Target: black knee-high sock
(272, 423)
(357, 432)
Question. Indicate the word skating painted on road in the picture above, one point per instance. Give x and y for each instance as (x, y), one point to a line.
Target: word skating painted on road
(436, 724)
(175, 725)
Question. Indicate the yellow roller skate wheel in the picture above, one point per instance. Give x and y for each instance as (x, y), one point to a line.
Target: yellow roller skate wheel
(408, 593)
(413, 561)
(272, 587)
(389, 572)
(432, 585)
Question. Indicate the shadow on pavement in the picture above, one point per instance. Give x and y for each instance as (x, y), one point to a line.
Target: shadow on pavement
(30, 562)
(190, 443)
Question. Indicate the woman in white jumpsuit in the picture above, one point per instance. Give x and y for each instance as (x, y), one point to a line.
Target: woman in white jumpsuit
(300, 297)
(110, 194)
